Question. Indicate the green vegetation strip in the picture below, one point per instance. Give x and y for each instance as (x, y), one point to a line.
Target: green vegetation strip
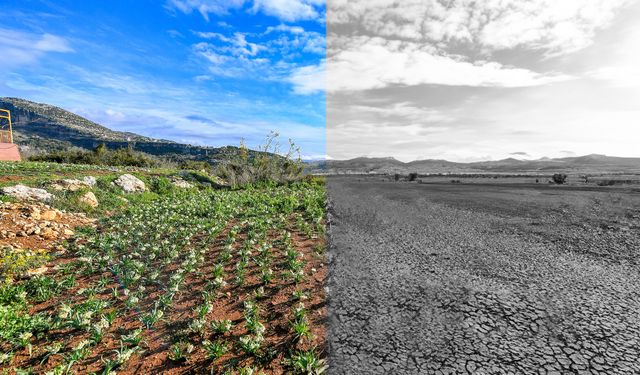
(130, 271)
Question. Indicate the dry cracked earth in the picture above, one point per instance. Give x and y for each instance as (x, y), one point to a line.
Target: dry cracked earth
(483, 279)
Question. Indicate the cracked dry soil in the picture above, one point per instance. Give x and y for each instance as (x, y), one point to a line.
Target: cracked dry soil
(482, 279)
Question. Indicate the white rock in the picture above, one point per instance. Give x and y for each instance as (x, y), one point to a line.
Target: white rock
(178, 182)
(130, 184)
(74, 184)
(22, 192)
(89, 199)
(89, 181)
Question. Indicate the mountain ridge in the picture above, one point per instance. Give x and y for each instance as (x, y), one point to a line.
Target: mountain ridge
(591, 163)
(40, 128)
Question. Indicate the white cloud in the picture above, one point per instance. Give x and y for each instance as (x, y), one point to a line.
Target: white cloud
(270, 55)
(370, 63)
(289, 10)
(296, 39)
(309, 79)
(286, 10)
(52, 43)
(232, 55)
(202, 78)
(232, 61)
(205, 7)
(285, 28)
(554, 26)
(24, 48)
(403, 110)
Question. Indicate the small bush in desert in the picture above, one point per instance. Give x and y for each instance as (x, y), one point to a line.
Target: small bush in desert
(606, 183)
(559, 178)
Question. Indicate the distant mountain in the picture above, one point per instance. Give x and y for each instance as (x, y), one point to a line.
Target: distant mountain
(581, 164)
(41, 128)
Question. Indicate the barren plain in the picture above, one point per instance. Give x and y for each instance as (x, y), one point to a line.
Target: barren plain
(442, 278)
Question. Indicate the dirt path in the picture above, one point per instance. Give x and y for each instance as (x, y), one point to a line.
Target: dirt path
(441, 280)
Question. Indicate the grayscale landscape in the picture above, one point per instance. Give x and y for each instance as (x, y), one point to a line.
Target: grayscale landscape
(483, 183)
(492, 278)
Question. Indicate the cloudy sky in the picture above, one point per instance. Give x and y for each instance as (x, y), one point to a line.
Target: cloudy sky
(468, 80)
(197, 71)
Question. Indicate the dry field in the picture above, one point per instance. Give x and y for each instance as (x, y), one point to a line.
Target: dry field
(483, 278)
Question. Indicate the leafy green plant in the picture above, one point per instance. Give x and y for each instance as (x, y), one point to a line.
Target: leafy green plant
(301, 329)
(306, 362)
(254, 326)
(221, 326)
(179, 351)
(250, 344)
(133, 338)
(248, 370)
(218, 270)
(215, 349)
(299, 295)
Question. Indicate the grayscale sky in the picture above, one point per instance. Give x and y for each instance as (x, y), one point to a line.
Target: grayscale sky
(482, 80)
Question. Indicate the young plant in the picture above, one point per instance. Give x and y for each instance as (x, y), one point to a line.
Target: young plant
(122, 355)
(152, 318)
(179, 351)
(198, 326)
(254, 326)
(299, 295)
(218, 270)
(300, 325)
(217, 283)
(221, 326)
(306, 362)
(248, 370)
(301, 329)
(250, 344)
(133, 338)
(215, 349)
(259, 293)
(266, 276)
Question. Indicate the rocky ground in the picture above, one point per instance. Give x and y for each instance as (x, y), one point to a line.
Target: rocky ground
(31, 228)
(36, 225)
(490, 279)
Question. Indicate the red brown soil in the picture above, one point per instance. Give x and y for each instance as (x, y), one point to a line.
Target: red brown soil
(10, 178)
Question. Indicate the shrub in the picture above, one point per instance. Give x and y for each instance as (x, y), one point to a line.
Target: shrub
(161, 185)
(606, 183)
(193, 165)
(559, 178)
(101, 155)
(264, 167)
(413, 176)
(15, 262)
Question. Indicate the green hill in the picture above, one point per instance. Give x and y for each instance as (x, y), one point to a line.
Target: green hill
(40, 128)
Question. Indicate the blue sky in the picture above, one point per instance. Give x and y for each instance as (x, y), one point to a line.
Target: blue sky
(204, 72)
